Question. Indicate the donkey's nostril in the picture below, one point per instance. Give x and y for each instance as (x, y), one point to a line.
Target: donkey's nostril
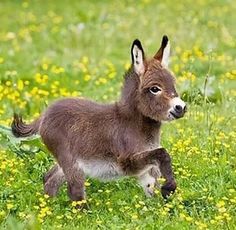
(178, 108)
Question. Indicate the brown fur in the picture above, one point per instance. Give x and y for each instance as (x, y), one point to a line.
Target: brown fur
(125, 133)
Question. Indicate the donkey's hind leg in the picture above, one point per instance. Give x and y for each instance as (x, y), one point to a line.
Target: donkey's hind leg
(75, 182)
(74, 176)
(67, 170)
(50, 173)
(53, 179)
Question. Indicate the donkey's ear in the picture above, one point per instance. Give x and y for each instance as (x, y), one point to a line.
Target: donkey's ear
(137, 55)
(164, 52)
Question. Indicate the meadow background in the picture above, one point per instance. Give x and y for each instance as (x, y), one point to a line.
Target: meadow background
(54, 49)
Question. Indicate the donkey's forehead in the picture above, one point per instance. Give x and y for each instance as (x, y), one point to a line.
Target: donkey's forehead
(156, 74)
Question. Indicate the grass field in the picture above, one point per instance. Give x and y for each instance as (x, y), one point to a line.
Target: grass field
(54, 49)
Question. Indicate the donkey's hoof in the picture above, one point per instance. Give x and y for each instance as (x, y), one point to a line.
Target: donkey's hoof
(168, 188)
(82, 206)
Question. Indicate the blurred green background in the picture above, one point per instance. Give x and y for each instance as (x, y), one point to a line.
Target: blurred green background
(54, 49)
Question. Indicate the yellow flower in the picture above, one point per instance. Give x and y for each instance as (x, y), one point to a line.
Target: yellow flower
(104, 97)
(10, 36)
(161, 180)
(44, 66)
(87, 183)
(85, 60)
(127, 65)
(8, 83)
(219, 217)
(74, 210)
(176, 68)
(10, 206)
(1, 60)
(212, 221)
(59, 217)
(46, 196)
(134, 217)
(57, 70)
(220, 204)
(2, 213)
(222, 210)
(189, 219)
(41, 79)
(112, 75)
(87, 77)
(102, 80)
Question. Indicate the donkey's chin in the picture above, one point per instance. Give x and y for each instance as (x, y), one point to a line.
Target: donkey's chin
(172, 116)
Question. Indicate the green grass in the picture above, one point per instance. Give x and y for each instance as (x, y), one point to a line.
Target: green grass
(54, 49)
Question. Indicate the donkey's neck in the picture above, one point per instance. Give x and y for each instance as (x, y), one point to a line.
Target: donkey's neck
(128, 103)
(129, 91)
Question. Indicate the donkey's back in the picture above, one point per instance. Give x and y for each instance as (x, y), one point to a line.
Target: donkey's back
(81, 125)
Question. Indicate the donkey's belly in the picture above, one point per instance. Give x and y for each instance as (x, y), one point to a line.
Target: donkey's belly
(103, 170)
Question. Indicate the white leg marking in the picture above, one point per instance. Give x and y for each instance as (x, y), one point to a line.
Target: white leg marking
(148, 183)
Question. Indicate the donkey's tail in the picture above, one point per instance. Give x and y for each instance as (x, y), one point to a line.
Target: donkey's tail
(21, 129)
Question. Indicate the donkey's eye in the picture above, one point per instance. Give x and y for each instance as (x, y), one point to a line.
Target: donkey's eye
(154, 90)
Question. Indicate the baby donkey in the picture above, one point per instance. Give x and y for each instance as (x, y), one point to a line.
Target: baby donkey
(108, 141)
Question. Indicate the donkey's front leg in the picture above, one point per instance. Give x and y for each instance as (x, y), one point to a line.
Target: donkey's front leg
(166, 171)
(139, 164)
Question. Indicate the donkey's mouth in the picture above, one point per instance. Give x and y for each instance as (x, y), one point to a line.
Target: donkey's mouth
(176, 116)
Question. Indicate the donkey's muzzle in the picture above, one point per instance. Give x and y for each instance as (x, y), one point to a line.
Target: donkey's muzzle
(177, 108)
(179, 111)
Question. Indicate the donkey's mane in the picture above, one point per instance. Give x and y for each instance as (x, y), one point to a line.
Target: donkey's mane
(129, 92)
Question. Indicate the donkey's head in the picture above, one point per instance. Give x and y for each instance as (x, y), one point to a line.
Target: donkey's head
(156, 94)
